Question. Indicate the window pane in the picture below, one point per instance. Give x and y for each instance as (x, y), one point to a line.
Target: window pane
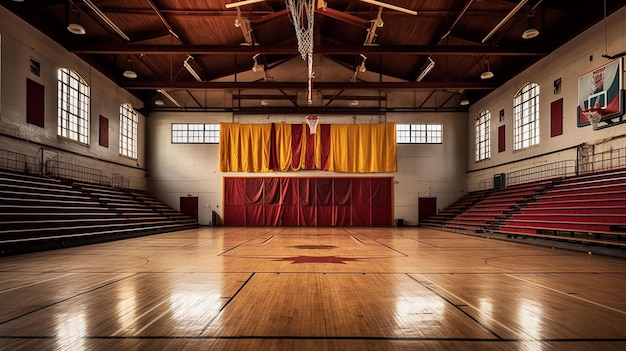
(73, 106)
(194, 133)
(128, 131)
(419, 133)
(526, 117)
(482, 137)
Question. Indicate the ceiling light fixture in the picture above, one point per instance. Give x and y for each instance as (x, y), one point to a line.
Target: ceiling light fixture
(165, 93)
(75, 27)
(191, 70)
(106, 20)
(504, 20)
(429, 67)
(371, 32)
(244, 25)
(389, 6)
(129, 73)
(464, 101)
(257, 67)
(362, 67)
(354, 103)
(242, 3)
(531, 32)
(159, 101)
(487, 74)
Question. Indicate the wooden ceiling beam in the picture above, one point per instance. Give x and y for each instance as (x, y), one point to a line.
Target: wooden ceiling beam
(262, 85)
(101, 48)
(344, 17)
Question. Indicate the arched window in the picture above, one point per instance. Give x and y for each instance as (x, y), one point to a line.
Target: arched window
(73, 106)
(483, 141)
(128, 131)
(526, 117)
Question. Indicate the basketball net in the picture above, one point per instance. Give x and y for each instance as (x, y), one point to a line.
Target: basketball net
(312, 121)
(593, 115)
(302, 13)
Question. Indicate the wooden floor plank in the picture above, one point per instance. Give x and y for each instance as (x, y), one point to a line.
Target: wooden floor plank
(312, 289)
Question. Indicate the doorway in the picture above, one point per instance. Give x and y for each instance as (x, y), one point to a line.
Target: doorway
(426, 207)
(189, 206)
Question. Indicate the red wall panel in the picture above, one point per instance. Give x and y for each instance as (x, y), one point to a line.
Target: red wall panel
(556, 118)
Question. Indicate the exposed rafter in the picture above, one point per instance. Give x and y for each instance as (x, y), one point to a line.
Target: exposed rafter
(96, 48)
(132, 85)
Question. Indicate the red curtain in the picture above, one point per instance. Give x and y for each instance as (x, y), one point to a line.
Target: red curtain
(289, 209)
(234, 202)
(381, 201)
(308, 202)
(361, 202)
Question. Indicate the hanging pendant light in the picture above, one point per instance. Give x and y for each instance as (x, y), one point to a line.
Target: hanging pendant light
(159, 100)
(531, 32)
(487, 74)
(464, 100)
(75, 27)
(129, 73)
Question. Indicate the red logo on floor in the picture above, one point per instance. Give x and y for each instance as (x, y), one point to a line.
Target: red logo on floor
(318, 259)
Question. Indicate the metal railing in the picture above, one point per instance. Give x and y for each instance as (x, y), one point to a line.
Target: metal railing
(605, 161)
(14, 161)
(552, 170)
(120, 181)
(67, 170)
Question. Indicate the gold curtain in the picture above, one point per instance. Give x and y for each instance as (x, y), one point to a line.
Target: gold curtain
(283, 146)
(354, 148)
(362, 148)
(244, 147)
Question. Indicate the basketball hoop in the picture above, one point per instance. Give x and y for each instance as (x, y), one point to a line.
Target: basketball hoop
(593, 115)
(302, 13)
(312, 121)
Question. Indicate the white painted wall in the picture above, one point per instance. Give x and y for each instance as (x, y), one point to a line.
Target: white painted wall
(574, 59)
(179, 170)
(19, 43)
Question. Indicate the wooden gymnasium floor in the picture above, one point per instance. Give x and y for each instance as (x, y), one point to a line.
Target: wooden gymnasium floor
(312, 289)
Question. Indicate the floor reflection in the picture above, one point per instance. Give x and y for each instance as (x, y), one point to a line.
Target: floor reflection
(71, 330)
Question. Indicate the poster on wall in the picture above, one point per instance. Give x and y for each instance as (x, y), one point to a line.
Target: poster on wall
(600, 96)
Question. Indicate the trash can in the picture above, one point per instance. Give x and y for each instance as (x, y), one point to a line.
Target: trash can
(499, 181)
(399, 222)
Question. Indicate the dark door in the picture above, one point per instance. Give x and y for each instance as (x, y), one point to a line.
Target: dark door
(426, 207)
(189, 206)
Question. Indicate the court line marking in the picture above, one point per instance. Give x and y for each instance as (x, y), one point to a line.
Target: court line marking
(35, 283)
(268, 240)
(313, 337)
(379, 243)
(480, 320)
(356, 239)
(143, 314)
(566, 294)
(99, 286)
(206, 326)
(244, 242)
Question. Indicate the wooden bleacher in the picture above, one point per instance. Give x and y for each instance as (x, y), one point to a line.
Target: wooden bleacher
(588, 209)
(39, 213)
(579, 212)
(444, 216)
(497, 205)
